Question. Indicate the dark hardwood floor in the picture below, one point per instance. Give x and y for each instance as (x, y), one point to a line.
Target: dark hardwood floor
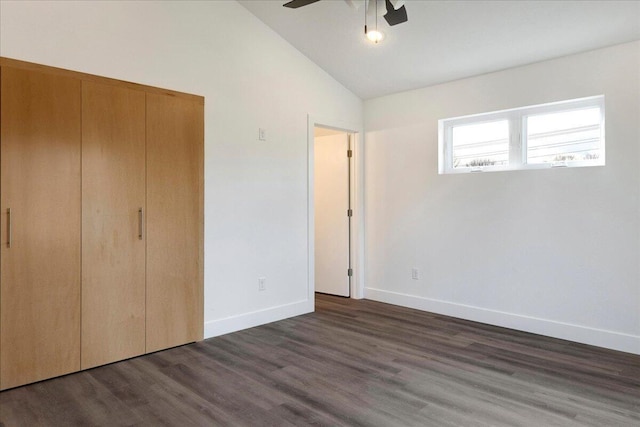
(351, 363)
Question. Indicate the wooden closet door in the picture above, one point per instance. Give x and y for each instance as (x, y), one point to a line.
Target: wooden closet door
(113, 244)
(40, 184)
(175, 137)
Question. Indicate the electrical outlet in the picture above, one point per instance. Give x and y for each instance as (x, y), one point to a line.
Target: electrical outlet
(415, 274)
(262, 134)
(262, 283)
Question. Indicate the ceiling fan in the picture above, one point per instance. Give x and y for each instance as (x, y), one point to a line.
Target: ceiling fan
(393, 16)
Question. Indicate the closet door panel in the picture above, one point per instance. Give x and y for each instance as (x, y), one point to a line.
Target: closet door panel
(175, 135)
(40, 185)
(113, 245)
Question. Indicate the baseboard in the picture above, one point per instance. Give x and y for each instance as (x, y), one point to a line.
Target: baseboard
(214, 328)
(597, 337)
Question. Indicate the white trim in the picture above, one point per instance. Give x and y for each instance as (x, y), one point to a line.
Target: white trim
(357, 235)
(214, 328)
(582, 334)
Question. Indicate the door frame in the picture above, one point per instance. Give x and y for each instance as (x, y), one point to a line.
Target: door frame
(357, 203)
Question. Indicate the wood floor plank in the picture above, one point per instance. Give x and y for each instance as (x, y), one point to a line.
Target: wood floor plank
(351, 363)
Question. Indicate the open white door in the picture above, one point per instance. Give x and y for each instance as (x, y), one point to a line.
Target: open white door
(331, 200)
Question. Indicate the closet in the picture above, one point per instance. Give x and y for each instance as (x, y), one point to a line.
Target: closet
(40, 137)
(101, 196)
(174, 221)
(113, 244)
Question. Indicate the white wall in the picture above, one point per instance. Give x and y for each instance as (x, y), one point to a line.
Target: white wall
(555, 252)
(255, 191)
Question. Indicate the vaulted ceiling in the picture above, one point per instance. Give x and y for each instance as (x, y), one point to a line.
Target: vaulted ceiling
(444, 40)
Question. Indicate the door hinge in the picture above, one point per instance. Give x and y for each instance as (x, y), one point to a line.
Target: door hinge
(350, 272)
(349, 153)
(349, 212)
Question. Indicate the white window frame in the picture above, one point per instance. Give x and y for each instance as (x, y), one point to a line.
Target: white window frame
(517, 136)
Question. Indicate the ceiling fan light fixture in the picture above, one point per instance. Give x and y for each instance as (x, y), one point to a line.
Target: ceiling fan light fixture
(396, 13)
(375, 36)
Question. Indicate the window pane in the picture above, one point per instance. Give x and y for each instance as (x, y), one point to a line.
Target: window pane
(484, 144)
(566, 136)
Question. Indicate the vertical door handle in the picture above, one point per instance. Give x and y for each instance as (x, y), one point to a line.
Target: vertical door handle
(140, 223)
(9, 231)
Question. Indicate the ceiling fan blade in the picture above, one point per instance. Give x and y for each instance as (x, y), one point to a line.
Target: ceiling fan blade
(353, 4)
(395, 16)
(294, 4)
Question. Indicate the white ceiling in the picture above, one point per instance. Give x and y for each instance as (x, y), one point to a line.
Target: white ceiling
(445, 40)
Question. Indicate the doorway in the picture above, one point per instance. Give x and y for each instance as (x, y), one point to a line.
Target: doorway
(333, 155)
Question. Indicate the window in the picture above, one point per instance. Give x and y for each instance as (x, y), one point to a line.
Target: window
(561, 134)
(481, 144)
